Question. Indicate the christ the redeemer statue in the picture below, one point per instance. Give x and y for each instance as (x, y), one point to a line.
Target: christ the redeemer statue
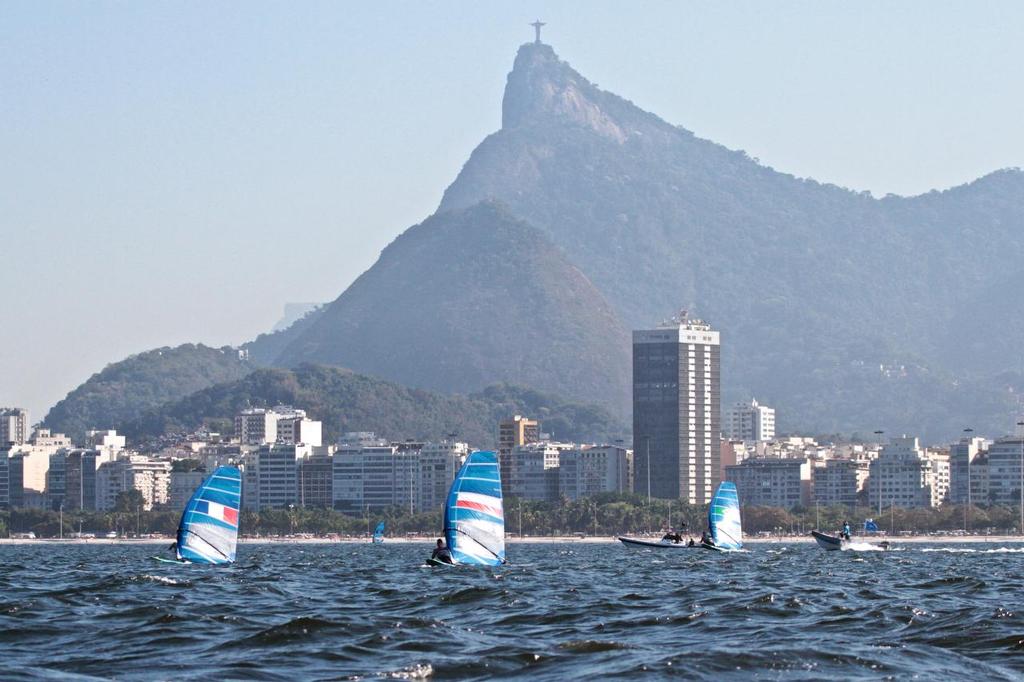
(536, 27)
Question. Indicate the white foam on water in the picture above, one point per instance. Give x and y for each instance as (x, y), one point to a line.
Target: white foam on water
(862, 547)
(970, 550)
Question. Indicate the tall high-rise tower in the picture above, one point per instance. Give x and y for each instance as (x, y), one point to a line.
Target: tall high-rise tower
(677, 410)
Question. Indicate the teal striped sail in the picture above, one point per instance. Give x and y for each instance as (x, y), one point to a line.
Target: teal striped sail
(378, 533)
(208, 532)
(724, 517)
(474, 520)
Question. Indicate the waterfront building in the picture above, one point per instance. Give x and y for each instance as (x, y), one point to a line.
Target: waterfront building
(1004, 470)
(151, 477)
(5, 479)
(750, 422)
(963, 456)
(513, 433)
(762, 482)
(14, 426)
(534, 471)
(316, 479)
(372, 477)
(181, 484)
(592, 469)
(677, 410)
(437, 466)
(840, 481)
(908, 476)
(270, 477)
(71, 479)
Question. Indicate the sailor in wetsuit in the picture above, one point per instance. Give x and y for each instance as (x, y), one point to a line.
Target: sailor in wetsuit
(706, 539)
(441, 553)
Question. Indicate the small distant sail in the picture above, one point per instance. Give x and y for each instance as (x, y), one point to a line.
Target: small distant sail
(724, 517)
(208, 532)
(378, 533)
(474, 520)
(870, 526)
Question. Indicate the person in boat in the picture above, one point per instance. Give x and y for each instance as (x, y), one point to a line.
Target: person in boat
(672, 536)
(692, 543)
(706, 539)
(441, 553)
(845, 534)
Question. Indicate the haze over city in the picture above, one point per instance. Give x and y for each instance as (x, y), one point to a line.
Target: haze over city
(179, 174)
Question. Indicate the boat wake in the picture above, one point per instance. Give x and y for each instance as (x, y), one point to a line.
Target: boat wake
(862, 547)
(970, 550)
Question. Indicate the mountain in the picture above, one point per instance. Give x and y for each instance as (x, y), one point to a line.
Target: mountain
(468, 298)
(345, 401)
(126, 389)
(805, 280)
(585, 216)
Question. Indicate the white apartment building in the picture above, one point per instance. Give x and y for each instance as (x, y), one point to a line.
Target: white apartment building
(438, 463)
(14, 426)
(270, 477)
(372, 474)
(840, 482)
(761, 482)
(592, 469)
(750, 422)
(280, 424)
(107, 442)
(535, 470)
(151, 477)
(908, 476)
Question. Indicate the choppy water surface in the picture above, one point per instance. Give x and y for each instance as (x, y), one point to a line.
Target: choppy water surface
(297, 612)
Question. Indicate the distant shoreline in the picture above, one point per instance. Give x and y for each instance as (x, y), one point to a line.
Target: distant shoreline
(537, 540)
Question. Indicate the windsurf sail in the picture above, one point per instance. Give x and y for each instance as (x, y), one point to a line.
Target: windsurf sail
(724, 517)
(870, 526)
(378, 533)
(474, 520)
(208, 532)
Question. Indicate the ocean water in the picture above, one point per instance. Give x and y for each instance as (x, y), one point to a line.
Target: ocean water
(572, 611)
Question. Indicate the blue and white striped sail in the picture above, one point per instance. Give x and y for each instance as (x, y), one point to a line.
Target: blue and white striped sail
(208, 532)
(474, 519)
(724, 517)
(378, 533)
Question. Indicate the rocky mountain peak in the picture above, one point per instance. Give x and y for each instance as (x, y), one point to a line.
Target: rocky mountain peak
(541, 89)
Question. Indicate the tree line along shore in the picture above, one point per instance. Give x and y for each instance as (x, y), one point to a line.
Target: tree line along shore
(599, 516)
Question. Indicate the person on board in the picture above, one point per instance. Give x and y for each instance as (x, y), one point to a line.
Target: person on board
(692, 543)
(672, 536)
(846, 531)
(706, 539)
(441, 553)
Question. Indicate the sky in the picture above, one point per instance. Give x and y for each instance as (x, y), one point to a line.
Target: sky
(177, 172)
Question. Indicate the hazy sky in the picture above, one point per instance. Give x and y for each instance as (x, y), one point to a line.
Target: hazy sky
(176, 172)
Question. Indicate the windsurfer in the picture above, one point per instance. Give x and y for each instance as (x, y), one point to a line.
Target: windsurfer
(441, 553)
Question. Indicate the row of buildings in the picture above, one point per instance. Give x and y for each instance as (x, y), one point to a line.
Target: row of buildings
(900, 473)
(285, 463)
